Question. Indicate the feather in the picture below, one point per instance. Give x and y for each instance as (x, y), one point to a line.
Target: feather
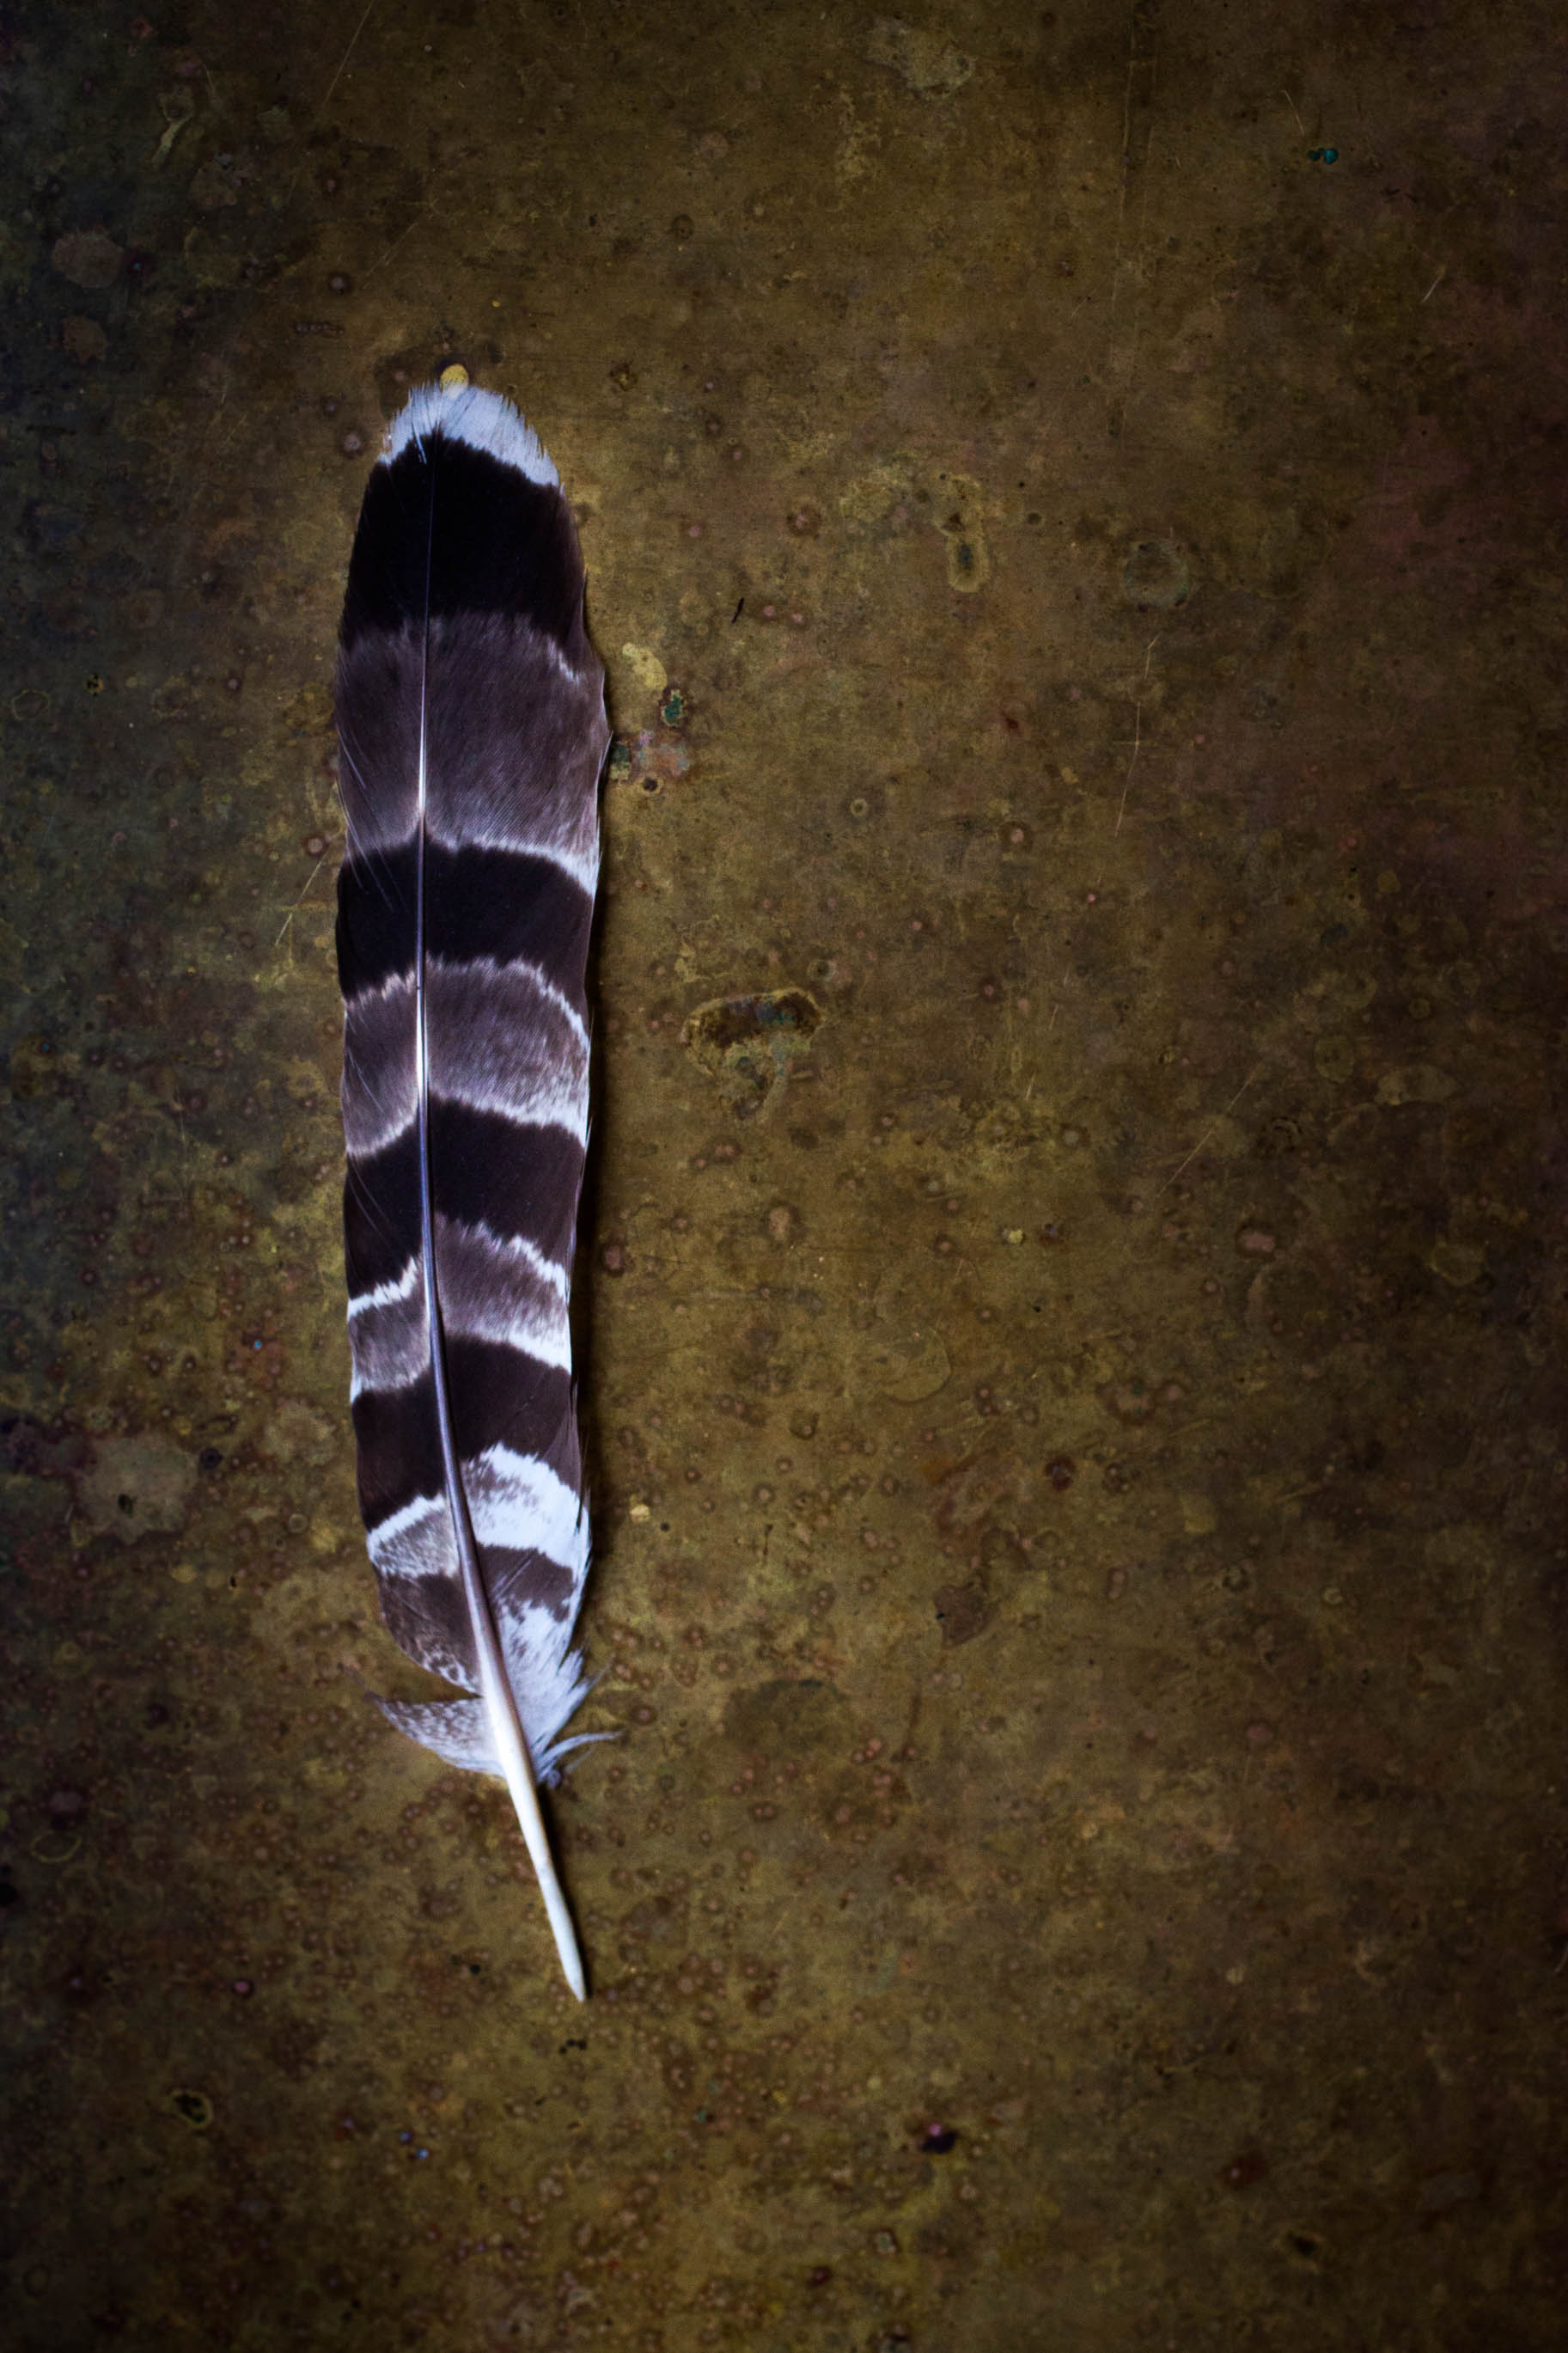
(470, 713)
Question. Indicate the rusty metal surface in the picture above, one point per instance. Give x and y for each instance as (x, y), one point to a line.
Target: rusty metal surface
(1074, 510)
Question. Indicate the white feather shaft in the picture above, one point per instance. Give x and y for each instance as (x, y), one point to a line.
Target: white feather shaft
(495, 1689)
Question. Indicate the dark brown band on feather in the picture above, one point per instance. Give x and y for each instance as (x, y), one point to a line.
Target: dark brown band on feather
(503, 544)
(510, 906)
(522, 1182)
(499, 1397)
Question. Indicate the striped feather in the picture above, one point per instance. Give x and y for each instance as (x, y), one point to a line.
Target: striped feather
(470, 711)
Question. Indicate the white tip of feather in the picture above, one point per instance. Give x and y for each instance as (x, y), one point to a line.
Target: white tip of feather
(464, 412)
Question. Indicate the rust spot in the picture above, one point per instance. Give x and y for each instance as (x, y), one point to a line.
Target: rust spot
(748, 1043)
(962, 1611)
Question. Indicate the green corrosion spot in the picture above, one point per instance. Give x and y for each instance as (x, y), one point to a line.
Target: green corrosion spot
(672, 710)
(747, 1044)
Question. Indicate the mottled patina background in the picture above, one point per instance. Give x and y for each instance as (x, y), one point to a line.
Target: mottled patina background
(1074, 503)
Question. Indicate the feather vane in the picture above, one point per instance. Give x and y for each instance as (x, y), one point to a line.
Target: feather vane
(471, 716)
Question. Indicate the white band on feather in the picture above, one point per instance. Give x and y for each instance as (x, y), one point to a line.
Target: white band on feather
(396, 1294)
(483, 419)
(515, 1502)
